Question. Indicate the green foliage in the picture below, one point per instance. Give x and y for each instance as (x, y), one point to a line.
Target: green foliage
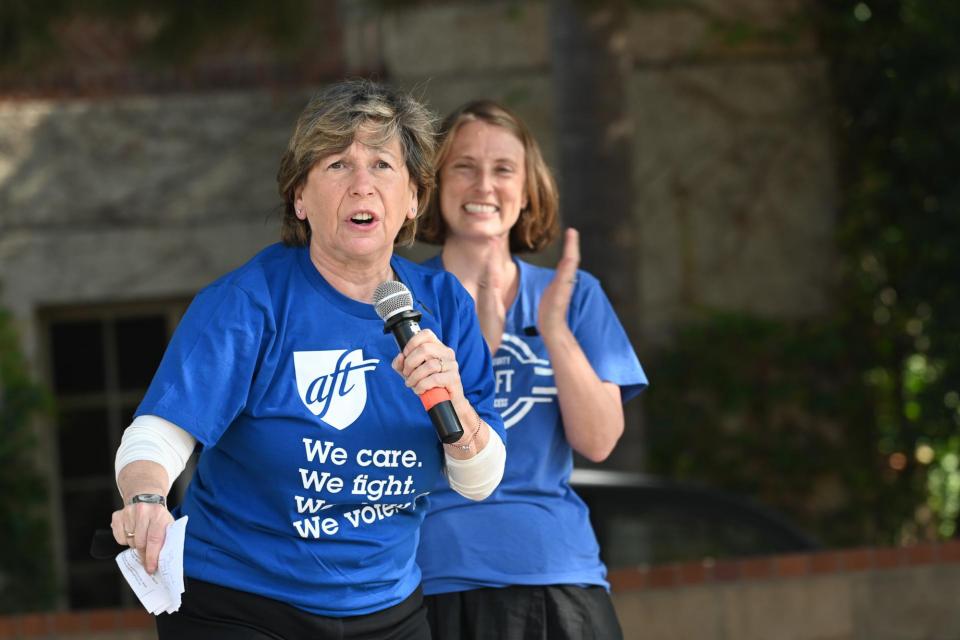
(780, 412)
(850, 425)
(897, 81)
(168, 33)
(26, 578)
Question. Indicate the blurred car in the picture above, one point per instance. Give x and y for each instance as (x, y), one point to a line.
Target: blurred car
(642, 520)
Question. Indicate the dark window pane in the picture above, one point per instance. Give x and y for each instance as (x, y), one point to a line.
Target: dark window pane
(95, 586)
(84, 512)
(85, 447)
(77, 349)
(140, 345)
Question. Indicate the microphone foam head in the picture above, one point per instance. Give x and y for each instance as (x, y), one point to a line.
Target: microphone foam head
(391, 297)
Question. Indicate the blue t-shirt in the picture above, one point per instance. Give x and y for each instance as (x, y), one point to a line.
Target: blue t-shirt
(315, 454)
(533, 530)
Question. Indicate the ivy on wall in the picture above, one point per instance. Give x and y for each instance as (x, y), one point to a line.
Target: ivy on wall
(160, 33)
(851, 424)
(778, 411)
(26, 573)
(897, 82)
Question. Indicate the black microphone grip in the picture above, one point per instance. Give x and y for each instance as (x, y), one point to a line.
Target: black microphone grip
(437, 400)
(445, 421)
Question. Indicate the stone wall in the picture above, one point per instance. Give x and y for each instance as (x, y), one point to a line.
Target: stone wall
(734, 171)
(134, 198)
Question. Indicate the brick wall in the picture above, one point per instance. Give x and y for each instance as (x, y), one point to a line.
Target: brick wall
(96, 624)
(783, 566)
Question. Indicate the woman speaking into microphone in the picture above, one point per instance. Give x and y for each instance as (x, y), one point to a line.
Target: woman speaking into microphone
(306, 502)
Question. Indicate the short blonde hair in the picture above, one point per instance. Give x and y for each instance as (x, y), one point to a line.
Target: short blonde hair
(538, 223)
(330, 123)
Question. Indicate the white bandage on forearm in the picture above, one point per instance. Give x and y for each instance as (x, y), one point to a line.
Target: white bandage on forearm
(157, 440)
(477, 477)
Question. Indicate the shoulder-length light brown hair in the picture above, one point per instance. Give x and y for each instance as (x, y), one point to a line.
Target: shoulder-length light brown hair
(538, 223)
(330, 123)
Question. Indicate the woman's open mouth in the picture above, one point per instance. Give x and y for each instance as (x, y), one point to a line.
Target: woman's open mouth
(362, 218)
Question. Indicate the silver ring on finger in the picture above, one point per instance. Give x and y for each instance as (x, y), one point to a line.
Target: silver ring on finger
(441, 365)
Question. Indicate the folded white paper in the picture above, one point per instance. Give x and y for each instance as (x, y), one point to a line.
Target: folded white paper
(161, 591)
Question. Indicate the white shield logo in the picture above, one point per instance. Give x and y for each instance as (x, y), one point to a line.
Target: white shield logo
(333, 384)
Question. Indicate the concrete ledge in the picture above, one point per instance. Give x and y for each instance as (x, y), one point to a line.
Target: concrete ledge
(902, 593)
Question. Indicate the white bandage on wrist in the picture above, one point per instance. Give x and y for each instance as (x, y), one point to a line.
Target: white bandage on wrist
(157, 440)
(477, 477)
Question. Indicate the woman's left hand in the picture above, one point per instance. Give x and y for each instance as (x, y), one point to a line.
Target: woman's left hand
(552, 314)
(426, 363)
(142, 526)
(591, 408)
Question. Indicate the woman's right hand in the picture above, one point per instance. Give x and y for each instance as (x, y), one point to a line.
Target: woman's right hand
(491, 310)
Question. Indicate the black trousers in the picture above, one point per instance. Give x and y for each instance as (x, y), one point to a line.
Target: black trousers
(554, 612)
(212, 612)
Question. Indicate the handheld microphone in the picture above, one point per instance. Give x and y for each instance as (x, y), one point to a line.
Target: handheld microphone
(394, 304)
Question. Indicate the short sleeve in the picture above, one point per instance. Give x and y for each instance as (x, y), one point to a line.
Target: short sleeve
(603, 338)
(206, 373)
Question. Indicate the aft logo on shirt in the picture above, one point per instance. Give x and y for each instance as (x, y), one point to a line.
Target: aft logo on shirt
(333, 384)
(523, 380)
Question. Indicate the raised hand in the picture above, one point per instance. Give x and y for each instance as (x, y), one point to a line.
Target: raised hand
(491, 310)
(552, 314)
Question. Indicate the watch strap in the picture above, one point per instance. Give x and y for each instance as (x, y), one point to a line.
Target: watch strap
(149, 498)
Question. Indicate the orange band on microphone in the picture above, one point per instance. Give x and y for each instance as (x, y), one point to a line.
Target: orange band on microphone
(433, 397)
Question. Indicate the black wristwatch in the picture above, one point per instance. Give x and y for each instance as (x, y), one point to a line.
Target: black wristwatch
(149, 498)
